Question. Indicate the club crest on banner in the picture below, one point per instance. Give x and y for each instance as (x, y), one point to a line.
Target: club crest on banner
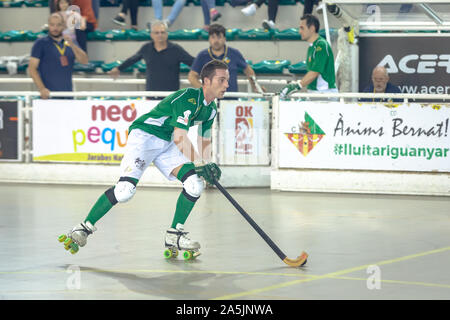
(307, 136)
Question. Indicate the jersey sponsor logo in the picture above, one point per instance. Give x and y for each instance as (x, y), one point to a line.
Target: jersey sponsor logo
(184, 120)
(414, 63)
(306, 136)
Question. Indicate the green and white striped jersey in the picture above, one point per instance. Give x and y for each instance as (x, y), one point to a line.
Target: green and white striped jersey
(182, 109)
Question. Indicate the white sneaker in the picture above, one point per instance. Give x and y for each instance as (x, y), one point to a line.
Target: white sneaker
(249, 10)
(268, 24)
(80, 233)
(177, 238)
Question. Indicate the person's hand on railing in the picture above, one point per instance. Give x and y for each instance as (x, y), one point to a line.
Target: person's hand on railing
(114, 73)
(45, 93)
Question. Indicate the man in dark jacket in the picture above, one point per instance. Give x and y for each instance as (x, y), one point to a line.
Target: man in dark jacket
(380, 84)
(162, 58)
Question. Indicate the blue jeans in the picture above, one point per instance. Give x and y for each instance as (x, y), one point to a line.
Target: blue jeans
(174, 12)
(206, 6)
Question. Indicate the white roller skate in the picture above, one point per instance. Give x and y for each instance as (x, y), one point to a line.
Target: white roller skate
(176, 240)
(77, 237)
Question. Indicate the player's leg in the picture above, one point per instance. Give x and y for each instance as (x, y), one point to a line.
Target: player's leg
(174, 165)
(139, 154)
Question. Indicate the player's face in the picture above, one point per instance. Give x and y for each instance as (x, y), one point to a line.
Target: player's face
(55, 26)
(217, 41)
(218, 85)
(304, 31)
(159, 34)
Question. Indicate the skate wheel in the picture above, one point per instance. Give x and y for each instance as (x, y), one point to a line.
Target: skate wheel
(74, 248)
(62, 238)
(167, 254)
(187, 255)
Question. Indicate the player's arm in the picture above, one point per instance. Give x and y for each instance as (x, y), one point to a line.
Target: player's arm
(309, 77)
(33, 65)
(194, 79)
(250, 73)
(182, 141)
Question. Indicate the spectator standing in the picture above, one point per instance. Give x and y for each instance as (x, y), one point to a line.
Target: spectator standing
(91, 22)
(380, 84)
(210, 12)
(133, 7)
(52, 59)
(162, 58)
(320, 76)
(71, 24)
(218, 50)
(308, 6)
(272, 10)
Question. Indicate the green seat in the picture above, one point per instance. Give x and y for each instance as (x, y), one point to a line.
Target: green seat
(287, 34)
(10, 4)
(255, 34)
(184, 67)
(36, 3)
(109, 66)
(141, 66)
(88, 67)
(271, 66)
(116, 34)
(298, 68)
(15, 35)
(138, 35)
(185, 34)
(333, 33)
(32, 36)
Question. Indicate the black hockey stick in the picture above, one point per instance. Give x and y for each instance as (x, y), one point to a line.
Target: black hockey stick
(300, 261)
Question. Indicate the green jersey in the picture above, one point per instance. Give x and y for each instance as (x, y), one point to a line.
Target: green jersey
(320, 59)
(182, 109)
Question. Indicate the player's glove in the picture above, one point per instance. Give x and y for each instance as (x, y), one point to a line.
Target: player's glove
(210, 172)
(290, 88)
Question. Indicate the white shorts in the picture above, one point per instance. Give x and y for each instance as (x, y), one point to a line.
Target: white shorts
(143, 148)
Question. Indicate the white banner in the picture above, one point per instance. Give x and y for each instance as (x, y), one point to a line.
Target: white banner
(92, 131)
(244, 132)
(333, 135)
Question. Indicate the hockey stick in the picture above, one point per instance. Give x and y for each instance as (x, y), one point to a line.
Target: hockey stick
(299, 262)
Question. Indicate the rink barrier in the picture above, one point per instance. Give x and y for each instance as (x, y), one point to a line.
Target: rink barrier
(235, 175)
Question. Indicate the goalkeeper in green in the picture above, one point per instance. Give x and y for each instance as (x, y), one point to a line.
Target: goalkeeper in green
(160, 137)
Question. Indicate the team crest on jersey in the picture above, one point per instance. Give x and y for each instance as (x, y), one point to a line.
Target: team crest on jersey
(184, 120)
(192, 100)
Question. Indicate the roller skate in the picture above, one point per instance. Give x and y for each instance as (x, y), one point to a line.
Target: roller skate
(77, 237)
(176, 240)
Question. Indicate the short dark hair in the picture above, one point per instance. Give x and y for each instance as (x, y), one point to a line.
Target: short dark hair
(216, 28)
(209, 69)
(311, 21)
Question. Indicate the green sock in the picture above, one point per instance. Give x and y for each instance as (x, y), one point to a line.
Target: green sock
(183, 209)
(100, 208)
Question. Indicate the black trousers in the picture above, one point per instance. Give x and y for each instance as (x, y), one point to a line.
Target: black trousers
(131, 5)
(272, 8)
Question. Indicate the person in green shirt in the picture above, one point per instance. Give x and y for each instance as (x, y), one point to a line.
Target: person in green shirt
(319, 61)
(160, 136)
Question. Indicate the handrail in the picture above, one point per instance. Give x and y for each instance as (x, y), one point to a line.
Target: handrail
(324, 96)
